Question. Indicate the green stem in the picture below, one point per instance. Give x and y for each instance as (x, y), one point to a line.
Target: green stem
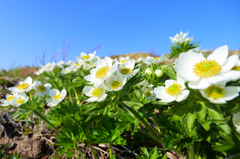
(46, 120)
(191, 151)
(150, 129)
(110, 150)
(78, 150)
(88, 141)
(196, 149)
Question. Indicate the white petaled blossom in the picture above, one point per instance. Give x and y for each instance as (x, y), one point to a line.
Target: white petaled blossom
(24, 86)
(123, 60)
(180, 38)
(143, 83)
(148, 71)
(202, 72)
(236, 121)
(115, 82)
(9, 100)
(49, 67)
(96, 93)
(86, 57)
(139, 59)
(158, 73)
(127, 70)
(219, 93)
(56, 97)
(104, 69)
(149, 60)
(236, 69)
(21, 98)
(60, 64)
(40, 71)
(148, 91)
(66, 70)
(173, 91)
(42, 89)
(76, 66)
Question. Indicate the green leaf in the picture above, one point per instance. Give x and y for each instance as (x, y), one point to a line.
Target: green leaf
(200, 111)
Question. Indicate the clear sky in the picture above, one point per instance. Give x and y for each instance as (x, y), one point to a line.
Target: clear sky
(27, 27)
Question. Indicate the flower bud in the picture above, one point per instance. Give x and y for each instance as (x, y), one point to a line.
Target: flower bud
(159, 73)
(148, 71)
(236, 121)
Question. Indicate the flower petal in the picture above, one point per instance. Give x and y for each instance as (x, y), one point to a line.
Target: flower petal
(219, 55)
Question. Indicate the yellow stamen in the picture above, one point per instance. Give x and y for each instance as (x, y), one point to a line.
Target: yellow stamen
(156, 58)
(215, 92)
(97, 92)
(125, 71)
(115, 84)
(174, 89)
(206, 68)
(123, 61)
(86, 57)
(236, 68)
(101, 72)
(10, 98)
(66, 71)
(22, 86)
(148, 93)
(41, 88)
(77, 64)
(58, 96)
(20, 101)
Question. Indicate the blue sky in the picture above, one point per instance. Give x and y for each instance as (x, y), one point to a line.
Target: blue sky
(120, 26)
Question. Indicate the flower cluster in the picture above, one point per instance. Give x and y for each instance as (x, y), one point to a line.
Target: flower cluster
(18, 94)
(180, 38)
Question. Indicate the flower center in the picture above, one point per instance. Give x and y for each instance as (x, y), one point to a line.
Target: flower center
(66, 71)
(20, 101)
(22, 86)
(156, 58)
(58, 96)
(10, 98)
(41, 88)
(148, 93)
(97, 92)
(101, 72)
(206, 68)
(174, 89)
(123, 61)
(77, 64)
(125, 71)
(215, 92)
(236, 68)
(86, 57)
(115, 84)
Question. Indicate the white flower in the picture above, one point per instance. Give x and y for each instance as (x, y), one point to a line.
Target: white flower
(40, 71)
(149, 60)
(115, 82)
(49, 67)
(60, 64)
(96, 93)
(66, 70)
(123, 60)
(158, 73)
(143, 83)
(148, 71)
(103, 70)
(56, 97)
(173, 91)
(24, 86)
(139, 59)
(42, 89)
(86, 57)
(148, 91)
(236, 121)
(178, 39)
(219, 94)
(202, 72)
(9, 100)
(236, 70)
(76, 66)
(127, 69)
(20, 99)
